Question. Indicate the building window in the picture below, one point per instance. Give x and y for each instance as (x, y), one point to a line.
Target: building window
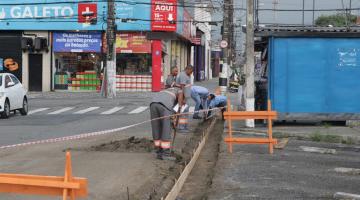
(133, 64)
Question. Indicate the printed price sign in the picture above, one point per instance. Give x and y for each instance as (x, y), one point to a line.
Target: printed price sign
(163, 15)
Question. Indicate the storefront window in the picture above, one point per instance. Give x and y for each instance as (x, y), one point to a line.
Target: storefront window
(133, 64)
(77, 61)
(72, 63)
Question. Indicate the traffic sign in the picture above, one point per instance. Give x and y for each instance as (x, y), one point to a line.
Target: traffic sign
(223, 44)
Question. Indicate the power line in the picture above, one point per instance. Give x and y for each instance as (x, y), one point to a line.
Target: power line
(129, 2)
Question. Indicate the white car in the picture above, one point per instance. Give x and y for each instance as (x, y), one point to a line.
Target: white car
(12, 95)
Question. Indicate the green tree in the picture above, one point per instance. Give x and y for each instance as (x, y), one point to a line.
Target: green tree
(336, 20)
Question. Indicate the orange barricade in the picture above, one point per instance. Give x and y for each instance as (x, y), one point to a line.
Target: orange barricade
(67, 186)
(269, 115)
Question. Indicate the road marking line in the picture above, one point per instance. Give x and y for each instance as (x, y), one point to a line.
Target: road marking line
(61, 111)
(318, 150)
(37, 110)
(112, 111)
(345, 170)
(139, 110)
(86, 110)
(192, 109)
(343, 195)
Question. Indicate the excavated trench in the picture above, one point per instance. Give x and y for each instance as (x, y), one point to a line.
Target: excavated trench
(200, 178)
(167, 173)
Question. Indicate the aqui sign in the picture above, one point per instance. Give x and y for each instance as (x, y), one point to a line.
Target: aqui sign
(164, 15)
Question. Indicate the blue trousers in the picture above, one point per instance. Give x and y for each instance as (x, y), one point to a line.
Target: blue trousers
(200, 102)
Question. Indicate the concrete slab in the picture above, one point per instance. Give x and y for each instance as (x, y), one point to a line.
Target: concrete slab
(251, 173)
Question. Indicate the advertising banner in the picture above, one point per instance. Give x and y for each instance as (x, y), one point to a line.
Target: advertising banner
(77, 42)
(164, 15)
(132, 43)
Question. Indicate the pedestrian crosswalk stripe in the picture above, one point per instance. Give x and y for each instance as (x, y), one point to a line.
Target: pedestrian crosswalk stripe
(138, 110)
(112, 111)
(86, 110)
(37, 110)
(61, 111)
(192, 109)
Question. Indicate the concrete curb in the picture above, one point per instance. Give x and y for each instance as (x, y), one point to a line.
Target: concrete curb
(320, 137)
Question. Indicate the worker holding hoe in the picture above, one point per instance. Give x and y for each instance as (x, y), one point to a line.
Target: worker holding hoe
(161, 108)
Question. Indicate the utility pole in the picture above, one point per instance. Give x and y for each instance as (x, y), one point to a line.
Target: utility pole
(275, 6)
(250, 86)
(313, 16)
(223, 77)
(109, 82)
(231, 34)
(350, 7)
(303, 13)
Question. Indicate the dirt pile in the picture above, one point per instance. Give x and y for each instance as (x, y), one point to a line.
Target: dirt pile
(132, 144)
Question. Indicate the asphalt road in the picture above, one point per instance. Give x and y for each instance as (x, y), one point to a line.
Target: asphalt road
(55, 115)
(59, 114)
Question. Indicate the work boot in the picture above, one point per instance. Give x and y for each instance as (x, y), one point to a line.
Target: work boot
(196, 116)
(156, 150)
(159, 152)
(167, 155)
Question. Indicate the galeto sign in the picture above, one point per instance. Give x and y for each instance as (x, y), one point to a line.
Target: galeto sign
(50, 15)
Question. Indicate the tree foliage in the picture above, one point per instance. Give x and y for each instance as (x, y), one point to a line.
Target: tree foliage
(336, 20)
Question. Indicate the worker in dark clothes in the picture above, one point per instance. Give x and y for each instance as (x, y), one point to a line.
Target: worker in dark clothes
(162, 106)
(171, 79)
(184, 82)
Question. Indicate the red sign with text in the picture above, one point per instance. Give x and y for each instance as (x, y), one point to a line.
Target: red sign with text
(132, 43)
(163, 15)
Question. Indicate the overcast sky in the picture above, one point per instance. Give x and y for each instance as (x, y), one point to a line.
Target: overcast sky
(282, 17)
(296, 17)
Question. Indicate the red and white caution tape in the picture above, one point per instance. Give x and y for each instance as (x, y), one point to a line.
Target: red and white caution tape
(93, 134)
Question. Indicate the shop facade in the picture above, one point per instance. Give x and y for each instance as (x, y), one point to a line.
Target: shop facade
(133, 62)
(10, 48)
(60, 46)
(30, 29)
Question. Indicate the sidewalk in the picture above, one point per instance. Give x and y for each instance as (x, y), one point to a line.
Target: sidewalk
(294, 172)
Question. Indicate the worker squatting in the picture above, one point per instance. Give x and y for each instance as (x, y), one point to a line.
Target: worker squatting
(177, 94)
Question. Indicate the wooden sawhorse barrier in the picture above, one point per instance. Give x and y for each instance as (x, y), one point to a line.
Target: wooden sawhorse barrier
(67, 186)
(268, 115)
